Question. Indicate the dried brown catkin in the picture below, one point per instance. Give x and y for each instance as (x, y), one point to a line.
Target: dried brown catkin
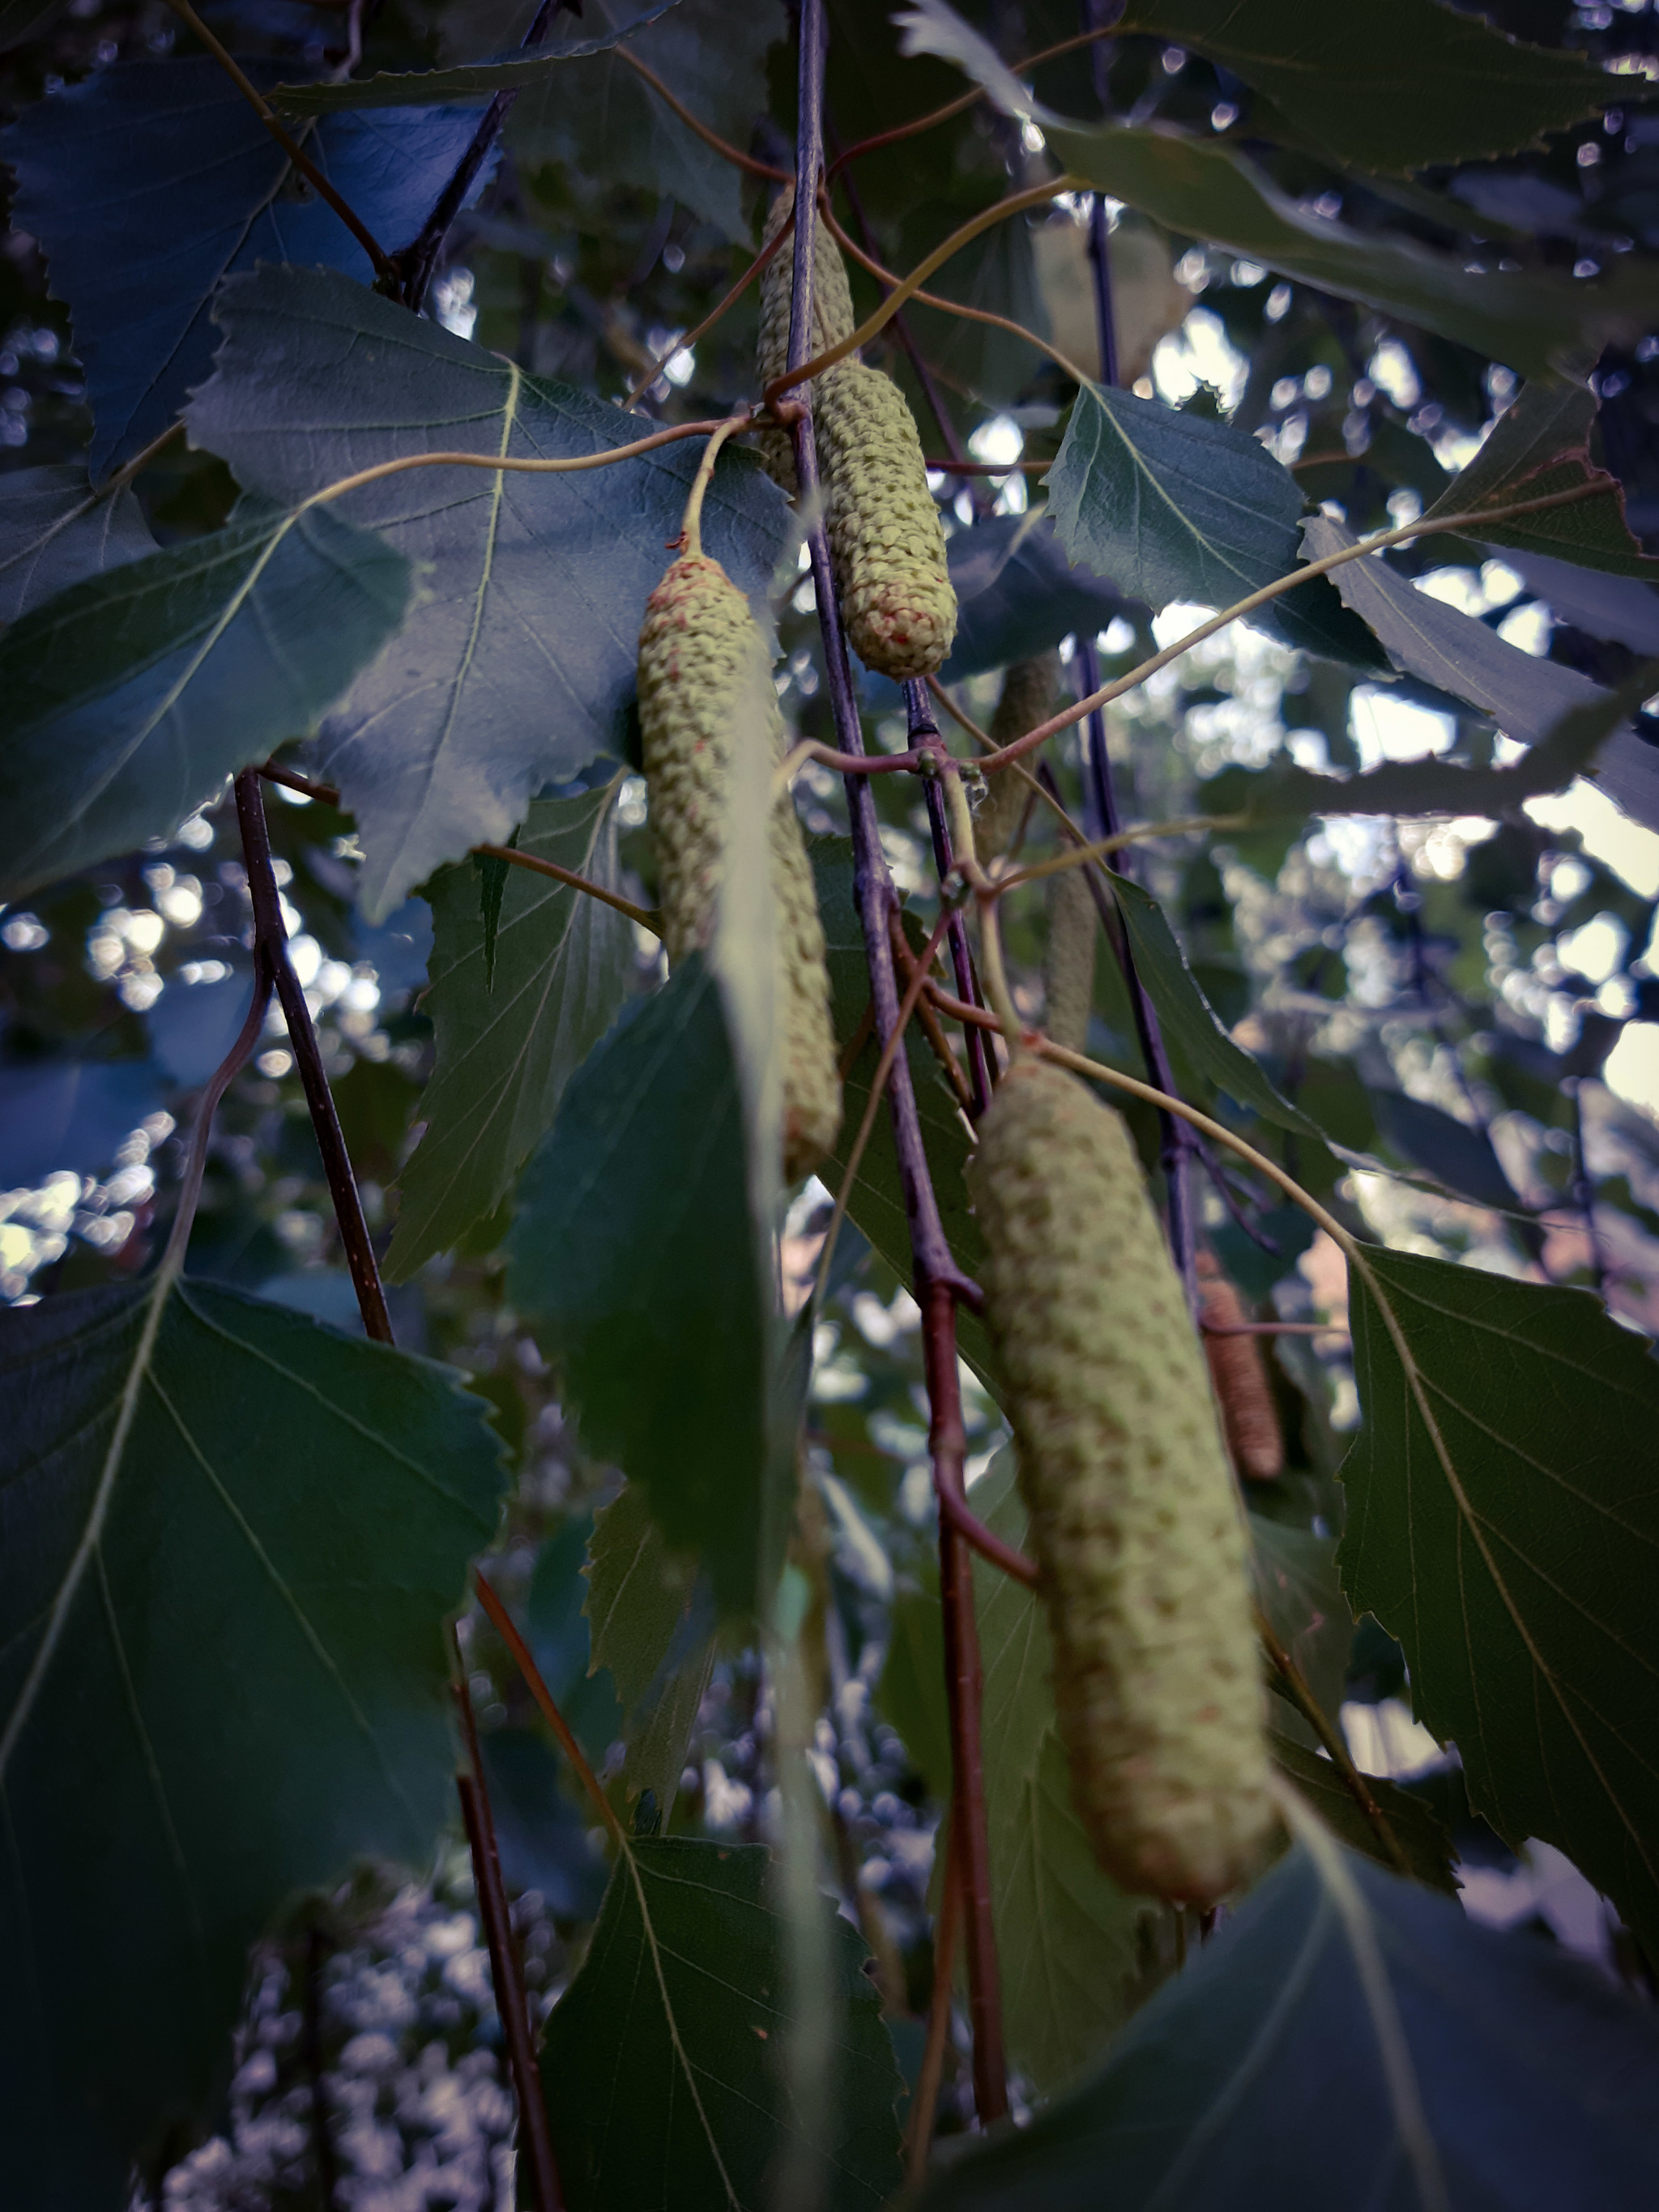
(832, 321)
(1239, 1373)
(699, 651)
(1134, 1518)
(1030, 691)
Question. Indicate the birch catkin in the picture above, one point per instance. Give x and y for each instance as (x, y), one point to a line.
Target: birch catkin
(1029, 692)
(1068, 968)
(1135, 1520)
(832, 321)
(699, 649)
(885, 540)
(1238, 1374)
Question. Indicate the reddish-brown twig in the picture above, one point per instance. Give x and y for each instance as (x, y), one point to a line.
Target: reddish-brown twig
(512, 2002)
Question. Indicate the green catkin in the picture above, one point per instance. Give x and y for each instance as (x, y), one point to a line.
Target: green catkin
(1135, 1521)
(1068, 969)
(1030, 688)
(832, 321)
(885, 542)
(699, 648)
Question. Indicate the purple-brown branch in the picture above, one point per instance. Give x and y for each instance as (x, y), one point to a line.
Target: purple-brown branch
(535, 2141)
(271, 942)
(936, 1276)
(925, 738)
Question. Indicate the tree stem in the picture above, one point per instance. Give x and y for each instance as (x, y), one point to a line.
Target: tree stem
(271, 939)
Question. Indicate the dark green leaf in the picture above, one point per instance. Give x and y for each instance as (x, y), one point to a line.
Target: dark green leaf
(130, 697)
(663, 2063)
(651, 1620)
(636, 1251)
(504, 1054)
(138, 261)
(509, 681)
(1298, 1589)
(1018, 594)
(55, 529)
(233, 1537)
(1529, 320)
(1453, 1153)
(1504, 1526)
(1172, 505)
(1070, 1942)
(603, 121)
(1414, 1826)
(492, 882)
(1394, 88)
(1540, 446)
(504, 73)
(1187, 1016)
(1347, 2039)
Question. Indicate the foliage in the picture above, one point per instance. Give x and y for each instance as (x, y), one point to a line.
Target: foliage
(341, 499)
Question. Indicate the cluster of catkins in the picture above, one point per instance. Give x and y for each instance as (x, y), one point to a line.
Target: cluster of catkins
(1134, 1516)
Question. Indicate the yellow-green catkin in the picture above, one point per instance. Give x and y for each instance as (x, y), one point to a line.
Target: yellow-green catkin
(1029, 691)
(832, 321)
(1135, 1520)
(885, 540)
(1069, 967)
(699, 648)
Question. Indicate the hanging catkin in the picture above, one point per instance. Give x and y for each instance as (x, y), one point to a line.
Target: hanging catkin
(1030, 688)
(1135, 1519)
(699, 651)
(1239, 1373)
(832, 321)
(885, 540)
(1069, 967)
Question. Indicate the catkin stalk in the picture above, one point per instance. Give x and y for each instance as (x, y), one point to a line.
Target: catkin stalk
(886, 543)
(832, 321)
(1135, 1519)
(699, 648)
(1238, 1375)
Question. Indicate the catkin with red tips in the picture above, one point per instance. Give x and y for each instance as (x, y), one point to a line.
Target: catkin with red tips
(699, 654)
(1238, 1374)
(1134, 1518)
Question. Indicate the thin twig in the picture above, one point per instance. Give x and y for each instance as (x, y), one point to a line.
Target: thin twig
(991, 1547)
(326, 794)
(384, 265)
(936, 1272)
(1272, 1328)
(271, 936)
(501, 1621)
(416, 261)
(964, 100)
(930, 1026)
(702, 329)
(723, 147)
(924, 737)
(190, 1188)
(512, 2001)
(1331, 1737)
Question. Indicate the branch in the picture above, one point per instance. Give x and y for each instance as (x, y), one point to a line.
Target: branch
(511, 2001)
(501, 1621)
(189, 1190)
(919, 2134)
(271, 939)
(702, 329)
(936, 1272)
(924, 739)
(303, 162)
(416, 262)
(723, 147)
